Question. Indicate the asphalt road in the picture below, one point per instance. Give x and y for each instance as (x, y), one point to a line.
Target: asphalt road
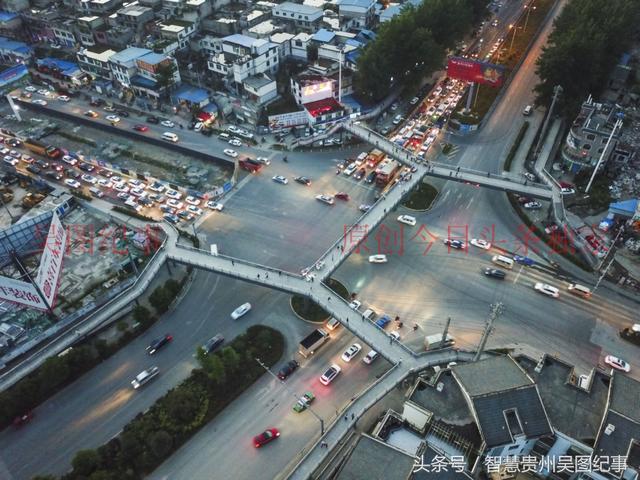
(95, 408)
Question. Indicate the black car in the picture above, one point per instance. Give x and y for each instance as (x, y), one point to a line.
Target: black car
(42, 164)
(145, 202)
(212, 344)
(288, 369)
(85, 167)
(252, 161)
(158, 343)
(105, 173)
(371, 177)
(33, 169)
(494, 272)
(9, 179)
(303, 180)
(71, 173)
(55, 175)
(154, 120)
(359, 174)
(96, 102)
(122, 113)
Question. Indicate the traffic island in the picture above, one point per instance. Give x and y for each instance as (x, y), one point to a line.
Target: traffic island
(153, 436)
(421, 197)
(308, 310)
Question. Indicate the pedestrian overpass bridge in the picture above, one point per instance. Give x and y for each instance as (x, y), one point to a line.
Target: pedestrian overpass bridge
(505, 183)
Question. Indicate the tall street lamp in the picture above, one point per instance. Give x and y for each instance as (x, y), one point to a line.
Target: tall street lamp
(528, 8)
(513, 37)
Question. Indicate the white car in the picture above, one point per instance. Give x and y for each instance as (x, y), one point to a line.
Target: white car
(567, 191)
(192, 201)
(195, 210)
(11, 161)
(89, 179)
(215, 205)
(30, 88)
(198, 126)
(72, 183)
(37, 101)
(241, 310)
(280, 179)
(138, 192)
(64, 98)
(105, 183)
(355, 304)
(233, 129)
(144, 376)
(328, 199)
(235, 142)
(263, 160)
(547, 289)
(69, 159)
(378, 258)
(350, 169)
(364, 207)
(371, 357)
(167, 123)
(231, 153)
(173, 203)
(617, 363)
(395, 335)
(351, 352)
(332, 372)
(407, 220)
(43, 92)
(113, 118)
(480, 243)
(121, 187)
(173, 194)
(533, 205)
(156, 187)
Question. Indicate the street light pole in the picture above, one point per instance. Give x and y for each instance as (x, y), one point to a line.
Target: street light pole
(513, 37)
(526, 20)
(298, 397)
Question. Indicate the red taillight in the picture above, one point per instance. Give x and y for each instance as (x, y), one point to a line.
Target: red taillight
(257, 445)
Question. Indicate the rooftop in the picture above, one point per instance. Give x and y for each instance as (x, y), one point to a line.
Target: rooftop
(428, 458)
(323, 36)
(12, 46)
(134, 10)
(281, 37)
(100, 54)
(375, 460)
(129, 54)
(244, 40)
(323, 107)
(356, 3)
(257, 81)
(625, 397)
(449, 405)
(571, 410)
(152, 58)
(7, 16)
(492, 375)
(297, 8)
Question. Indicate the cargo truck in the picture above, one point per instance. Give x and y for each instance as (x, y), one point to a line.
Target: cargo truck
(433, 342)
(312, 342)
(42, 149)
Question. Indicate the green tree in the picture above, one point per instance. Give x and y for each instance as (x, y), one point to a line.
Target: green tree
(212, 365)
(165, 77)
(230, 359)
(160, 444)
(142, 315)
(85, 462)
(53, 373)
(160, 300)
(172, 287)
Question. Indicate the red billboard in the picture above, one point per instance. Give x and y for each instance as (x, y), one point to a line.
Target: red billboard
(475, 71)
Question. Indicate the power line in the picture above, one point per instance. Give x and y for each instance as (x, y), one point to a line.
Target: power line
(496, 311)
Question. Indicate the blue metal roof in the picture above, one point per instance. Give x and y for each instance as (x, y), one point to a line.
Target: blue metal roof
(13, 46)
(323, 36)
(244, 40)
(357, 3)
(68, 68)
(152, 58)
(191, 94)
(143, 82)
(6, 16)
(626, 208)
(129, 54)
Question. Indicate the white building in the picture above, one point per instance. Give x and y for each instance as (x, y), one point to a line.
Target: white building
(356, 14)
(299, 45)
(96, 63)
(299, 16)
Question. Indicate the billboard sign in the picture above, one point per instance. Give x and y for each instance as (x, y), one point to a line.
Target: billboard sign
(317, 91)
(51, 261)
(475, 71)
(288, 120)
(23, 293)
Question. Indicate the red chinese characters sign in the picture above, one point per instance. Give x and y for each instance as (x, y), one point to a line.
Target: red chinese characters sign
(20, 292)
(474, 71)
(51, 262)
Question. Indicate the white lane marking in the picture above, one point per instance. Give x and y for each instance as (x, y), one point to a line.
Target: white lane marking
(518, 275)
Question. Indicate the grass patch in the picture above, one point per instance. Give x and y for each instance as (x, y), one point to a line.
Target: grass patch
(309, 310)
(421, 197)
(77, 138)
(515, 146)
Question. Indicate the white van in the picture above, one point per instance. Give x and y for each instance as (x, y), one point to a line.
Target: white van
(96, 192)
(579, 290)
(503, 261)
(333, 323)
(369, 314)
(170, 137)
(214, 249)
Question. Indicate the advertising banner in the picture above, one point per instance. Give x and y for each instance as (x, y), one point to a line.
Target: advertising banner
(288, 120)
(20, 292)
(475, 71)
(51, 261)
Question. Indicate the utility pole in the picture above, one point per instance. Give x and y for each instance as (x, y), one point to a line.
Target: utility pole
(557, 91)
(298, 397)
(496, 311)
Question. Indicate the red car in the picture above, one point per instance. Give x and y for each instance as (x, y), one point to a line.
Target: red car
(342, 196)
(140, 128)
(23, 419)
(265, 437)
(249, 167)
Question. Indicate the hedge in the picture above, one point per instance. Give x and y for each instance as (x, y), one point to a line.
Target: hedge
(514, 148)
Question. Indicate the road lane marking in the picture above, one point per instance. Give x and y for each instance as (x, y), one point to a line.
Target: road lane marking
(518, 275)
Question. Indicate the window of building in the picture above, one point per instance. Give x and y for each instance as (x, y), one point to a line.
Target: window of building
(604, 140)
(601, 149)
(591, 136)
(586, 146)
(513, 422)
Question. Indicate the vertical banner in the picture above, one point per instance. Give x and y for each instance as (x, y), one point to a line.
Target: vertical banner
(51, 261)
